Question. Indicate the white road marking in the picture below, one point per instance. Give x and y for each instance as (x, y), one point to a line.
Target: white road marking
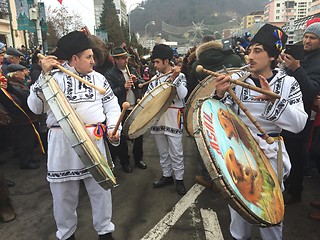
(162, 227)
(211, 225)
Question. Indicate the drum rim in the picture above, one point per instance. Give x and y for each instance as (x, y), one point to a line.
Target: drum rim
(194, 96)
(140, 105)
(232, 198)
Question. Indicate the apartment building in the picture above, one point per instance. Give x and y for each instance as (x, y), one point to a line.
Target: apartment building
(9, 33)
(315, 7)
(250, 20)
(278, 12)
(121, 9)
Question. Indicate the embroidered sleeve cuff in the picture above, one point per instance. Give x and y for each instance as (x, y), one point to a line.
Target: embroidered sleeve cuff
(274, 110)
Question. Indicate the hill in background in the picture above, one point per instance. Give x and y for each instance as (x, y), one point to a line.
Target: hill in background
(183, 13)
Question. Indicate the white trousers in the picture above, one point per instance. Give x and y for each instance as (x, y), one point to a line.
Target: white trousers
(240, 229)
(171, 155)
(65, 201)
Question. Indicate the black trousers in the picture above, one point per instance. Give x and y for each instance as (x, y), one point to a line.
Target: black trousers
(122, 151)
(25, 141)
(297, 148)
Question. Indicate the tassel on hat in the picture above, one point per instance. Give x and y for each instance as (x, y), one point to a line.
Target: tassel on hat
(272, 37)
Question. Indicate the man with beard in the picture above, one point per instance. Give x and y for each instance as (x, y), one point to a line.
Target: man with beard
(307, 73)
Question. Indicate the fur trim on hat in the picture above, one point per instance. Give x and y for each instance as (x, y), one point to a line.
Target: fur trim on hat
(208, 45)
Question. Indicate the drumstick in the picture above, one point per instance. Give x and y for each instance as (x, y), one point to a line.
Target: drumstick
(99, 89)
(269, 139)
(200, 68)
(125, 106)
(152, 80)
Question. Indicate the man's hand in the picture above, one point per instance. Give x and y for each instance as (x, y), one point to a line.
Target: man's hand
(290, 62)
(113, 138)
(128, 84)
(222, 85)
(48, 63)
(265, 85)
(133, 78)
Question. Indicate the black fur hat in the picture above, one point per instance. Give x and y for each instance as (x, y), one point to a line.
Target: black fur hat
(162, 51)
(272, 37)
(71, 44)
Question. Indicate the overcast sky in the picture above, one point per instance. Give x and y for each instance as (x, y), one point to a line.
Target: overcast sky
(83, 7)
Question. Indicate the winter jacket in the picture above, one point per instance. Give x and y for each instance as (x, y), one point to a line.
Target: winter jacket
(212, 57)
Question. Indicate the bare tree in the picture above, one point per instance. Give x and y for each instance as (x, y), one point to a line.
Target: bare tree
(60, 22)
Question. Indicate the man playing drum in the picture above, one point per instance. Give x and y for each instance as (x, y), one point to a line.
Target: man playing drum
(272, 114)
(168, 130)
(65, 169)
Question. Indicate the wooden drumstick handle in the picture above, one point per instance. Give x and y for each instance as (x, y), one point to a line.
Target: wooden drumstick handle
(269, 139)
(66, 71)
(129, 74)
(125, 106)
(200, 68)
(154, 79)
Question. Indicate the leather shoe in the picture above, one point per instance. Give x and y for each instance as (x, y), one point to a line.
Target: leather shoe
(141, 164)
(315, 204)
(127, 168)
(10, 183)
(7, 215)
(107, 236)
(163, 182)
(180, 188)
(315, 215)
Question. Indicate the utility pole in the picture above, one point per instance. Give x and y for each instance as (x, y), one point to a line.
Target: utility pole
(11, 28)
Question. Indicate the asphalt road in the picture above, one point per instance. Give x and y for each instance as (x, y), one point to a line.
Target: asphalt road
(140, 211)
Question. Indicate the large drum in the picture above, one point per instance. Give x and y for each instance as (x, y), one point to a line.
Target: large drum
(77, 134)
(149, 110)
(236, 163)
(204, 89)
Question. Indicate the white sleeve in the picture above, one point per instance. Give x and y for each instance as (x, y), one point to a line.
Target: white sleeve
(181, 84)
(288, 111)
(36, 100)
